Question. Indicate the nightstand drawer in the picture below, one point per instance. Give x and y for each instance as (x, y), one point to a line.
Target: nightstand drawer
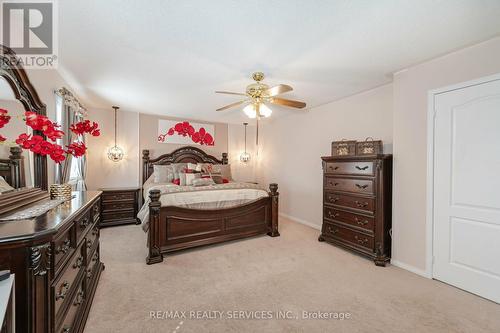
(107, 216)
(118, 196)
(117, 206)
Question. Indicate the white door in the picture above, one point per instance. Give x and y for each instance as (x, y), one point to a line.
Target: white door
(467, 189)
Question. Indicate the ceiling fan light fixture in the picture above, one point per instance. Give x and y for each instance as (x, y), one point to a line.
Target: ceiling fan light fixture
(251, 112)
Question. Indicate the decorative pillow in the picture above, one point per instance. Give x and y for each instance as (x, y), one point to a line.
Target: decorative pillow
(4, 186)
(189, 177)
(163, 173)
(202, 182)
(176, 181)
(224, 170)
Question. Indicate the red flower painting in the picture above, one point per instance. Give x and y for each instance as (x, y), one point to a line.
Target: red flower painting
(186, 129)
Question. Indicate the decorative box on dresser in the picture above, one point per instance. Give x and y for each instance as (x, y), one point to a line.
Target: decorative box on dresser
(357, 204)
(56, 261)
(119, 206)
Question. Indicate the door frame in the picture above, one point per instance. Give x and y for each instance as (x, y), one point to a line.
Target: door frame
(431, 114)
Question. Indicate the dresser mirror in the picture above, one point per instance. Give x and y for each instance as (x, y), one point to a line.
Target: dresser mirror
(24, 174)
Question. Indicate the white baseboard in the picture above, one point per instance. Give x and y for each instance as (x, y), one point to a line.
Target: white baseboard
(410, 268)
(304, 222)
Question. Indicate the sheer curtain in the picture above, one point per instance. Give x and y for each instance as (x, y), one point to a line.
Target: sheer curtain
(70, 111)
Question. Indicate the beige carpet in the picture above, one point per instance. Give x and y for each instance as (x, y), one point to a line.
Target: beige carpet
(291, 273)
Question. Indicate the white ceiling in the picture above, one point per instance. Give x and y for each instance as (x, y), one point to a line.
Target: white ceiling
(168, 57)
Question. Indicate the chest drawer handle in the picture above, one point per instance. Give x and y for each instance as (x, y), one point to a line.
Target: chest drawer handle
(78, 263)
(79, 298)
(64, 290)
(361, 204)
(333, 184)
(331, 167)
(360, 240)
(361, 168)
(361, 186)
(360, 222)
(333, 215)
(333, 199)
(332, 231)
(64, 247)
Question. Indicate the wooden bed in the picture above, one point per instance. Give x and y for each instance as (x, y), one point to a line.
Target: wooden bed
(12, 168)
(175, 228)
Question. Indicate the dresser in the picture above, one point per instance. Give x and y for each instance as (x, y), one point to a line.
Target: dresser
(56, 261)
(119, 206)
(357, 204)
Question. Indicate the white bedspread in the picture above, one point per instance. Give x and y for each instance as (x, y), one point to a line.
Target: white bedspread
(202, 197)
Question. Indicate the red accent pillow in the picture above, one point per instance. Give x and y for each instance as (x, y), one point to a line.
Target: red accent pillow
(176, 181)
(186, 170)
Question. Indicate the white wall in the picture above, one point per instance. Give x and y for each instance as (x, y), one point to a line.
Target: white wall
(411, 89)
(101, 171)
(292, 147)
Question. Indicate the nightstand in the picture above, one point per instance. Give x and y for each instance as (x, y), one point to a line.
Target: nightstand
(119, 206)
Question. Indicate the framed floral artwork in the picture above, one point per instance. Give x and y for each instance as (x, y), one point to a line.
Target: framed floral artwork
(185, 132)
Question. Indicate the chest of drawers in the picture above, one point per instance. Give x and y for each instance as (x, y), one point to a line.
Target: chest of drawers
(357, 204)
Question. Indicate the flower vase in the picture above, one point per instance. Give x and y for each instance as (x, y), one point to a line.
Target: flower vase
(60, 191)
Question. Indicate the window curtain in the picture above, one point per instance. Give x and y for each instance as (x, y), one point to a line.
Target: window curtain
(69, 111)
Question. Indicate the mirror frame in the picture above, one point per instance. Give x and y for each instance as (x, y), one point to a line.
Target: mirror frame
(13, 72)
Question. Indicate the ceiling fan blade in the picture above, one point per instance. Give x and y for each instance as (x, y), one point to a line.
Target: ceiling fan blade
(288, 102)
(230, 93)
(279, 89)
(231, 105)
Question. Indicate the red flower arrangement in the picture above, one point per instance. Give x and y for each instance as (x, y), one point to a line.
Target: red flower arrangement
(39, 145)
(184, 128)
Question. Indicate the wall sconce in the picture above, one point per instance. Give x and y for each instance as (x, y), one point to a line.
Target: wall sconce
(115, 153)
(245, 157)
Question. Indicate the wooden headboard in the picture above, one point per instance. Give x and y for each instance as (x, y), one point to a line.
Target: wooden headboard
(12, 169)
(186, 154)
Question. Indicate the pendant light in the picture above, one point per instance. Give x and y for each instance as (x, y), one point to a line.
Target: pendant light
(115, 153)
(245, 157)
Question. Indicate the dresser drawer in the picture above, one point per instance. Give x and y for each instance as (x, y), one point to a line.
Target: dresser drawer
(92, 239)
(117, 206)
(64, 285)
(364, 186)
(350, 201)
(96, 211)
(349, 236)
(350, 168)
(83, 224)
(68, 324)
(63, 247)
(91, 267)
(356, 220)
(119, 196)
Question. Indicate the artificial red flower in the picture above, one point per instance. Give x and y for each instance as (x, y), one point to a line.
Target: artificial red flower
(4, 117)
(203, 137)
(45, 125)
(38, 145)
(184, 129)
(2, 138)
(77, 149)
(225, 181)
(171, 131)
(85, 127)
(176, 181)
(161, 138)
(57, 154)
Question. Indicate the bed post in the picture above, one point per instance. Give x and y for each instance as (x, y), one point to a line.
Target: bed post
(154, 255)
(145, 165)
(274, 194)
(224, 158)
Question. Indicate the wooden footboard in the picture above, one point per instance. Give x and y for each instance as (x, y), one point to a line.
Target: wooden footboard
(175, 228)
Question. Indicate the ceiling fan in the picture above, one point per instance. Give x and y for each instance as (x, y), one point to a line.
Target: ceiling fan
(258, 94)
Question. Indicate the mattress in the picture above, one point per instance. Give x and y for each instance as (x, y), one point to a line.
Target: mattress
(216, 196)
